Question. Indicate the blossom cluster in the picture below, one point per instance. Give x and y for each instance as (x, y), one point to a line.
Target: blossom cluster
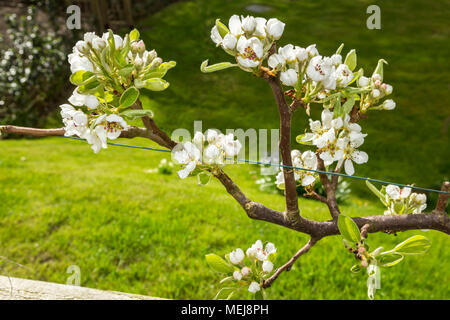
(402, 200)
(337, 140)
(204, 151)
(108, 72)
(305, 160)
(248, 39)
(375, 91)
(298, 65)
(258, 269)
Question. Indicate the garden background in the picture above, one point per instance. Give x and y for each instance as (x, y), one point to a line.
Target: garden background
(133, 230)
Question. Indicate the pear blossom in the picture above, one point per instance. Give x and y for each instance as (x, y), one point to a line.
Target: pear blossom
(250, 52)
(237, 256)
(267, 266)
(257, 251)
(275, 28)
(289, 77)
(276, 61)
(343, 75)
(187, 154)
(260, 30)
(254, 287)
(75, 121)
(237, 275)
(305, 160)
(235, 25)
(319, 68)
(418, 200)
(389, 104)
(79, 63)
(112, 124)
(363, 81)
(78, 99)
(248, 24)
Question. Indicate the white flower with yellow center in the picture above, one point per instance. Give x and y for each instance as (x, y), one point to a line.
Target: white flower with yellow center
(250, 52)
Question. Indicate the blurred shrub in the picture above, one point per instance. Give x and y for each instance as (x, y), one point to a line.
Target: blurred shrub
(33, 70)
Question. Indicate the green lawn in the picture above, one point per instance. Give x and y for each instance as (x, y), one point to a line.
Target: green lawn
(147, 233)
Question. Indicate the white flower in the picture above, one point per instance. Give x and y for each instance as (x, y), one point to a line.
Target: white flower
(275, 28)
(237, 275)
(260, 30)
(254, 287)
(288, 53)
(312, 51)
(248, 24)
(78, 63)
(237, 256)
(187, 154)
(98, 43)
(89, 37)
(419, 200)
(267, 266)
(198, 139)
(301, 54)
(229, 41)
(358, 157)
(75, 121)
(388, 104)
(235, 26)
(250, 52)
(276, 61)
(112, 124)
(212, 155)
(319, 69)
(81, 46)
(343, 75)
(97, 138)
(336, 59)
(375, 93)
(363, 81)
(118, 41)
(393, 192)
(215, 35)
(230, 146)
(405, 193)
(289, 77)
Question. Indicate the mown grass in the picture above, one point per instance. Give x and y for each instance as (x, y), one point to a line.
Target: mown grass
(145, 233)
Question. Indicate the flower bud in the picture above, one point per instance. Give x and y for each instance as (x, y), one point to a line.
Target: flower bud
(387, 88)
(98, 43)
(363, 81)
(364, 263)
(82, 47)
(248, 24)
(389, 104)
(289, 77)
(376, 93)
(376, 77)
(156, 63)
(138, 47)
(138, 62)
(377, 83)
(237, 275)
(246, 271)
(275, 28)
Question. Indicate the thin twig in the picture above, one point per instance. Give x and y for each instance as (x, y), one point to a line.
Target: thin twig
(288, 265)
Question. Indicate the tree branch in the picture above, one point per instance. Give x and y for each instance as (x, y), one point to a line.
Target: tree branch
(443, 198)
(330, 189)
(132, 132)
(288, 265)
(285, 148)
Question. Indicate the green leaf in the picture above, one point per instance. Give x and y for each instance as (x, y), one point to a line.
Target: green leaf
(160, 71)
(223, 30)
(132, 114)
(379, 68)
(348, 229)
(218, 264)
(129, 97)
(111, 41)
(90, 87)
(376, 192)
(299, 140)
(337, 107)
(127, 70)
(81, 77)
(226, 279)
(339, 50)
(350, 59)
(215, 67)
(389, 259)
(156, 84)
(203, 178)
(348, 105)
(134, 35)
(415, 245)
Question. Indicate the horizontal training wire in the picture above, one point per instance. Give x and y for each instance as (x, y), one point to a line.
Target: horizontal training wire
(286, 166)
